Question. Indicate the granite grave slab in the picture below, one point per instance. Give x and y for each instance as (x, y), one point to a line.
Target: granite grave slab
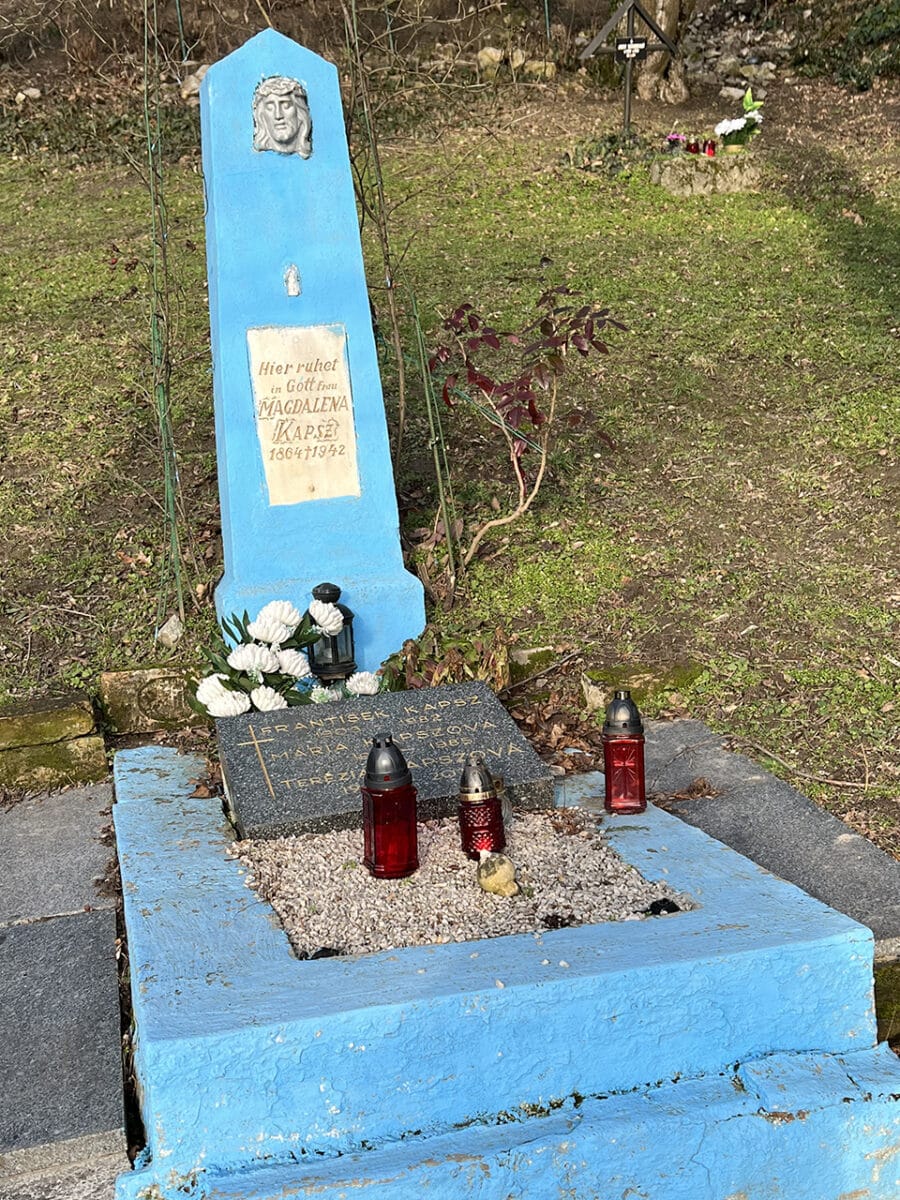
(54, 855)
(299, 770)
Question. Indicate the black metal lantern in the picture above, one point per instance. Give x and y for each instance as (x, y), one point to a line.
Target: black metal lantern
(331, 658)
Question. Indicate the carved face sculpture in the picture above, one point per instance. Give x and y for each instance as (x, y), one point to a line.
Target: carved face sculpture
(281, 119)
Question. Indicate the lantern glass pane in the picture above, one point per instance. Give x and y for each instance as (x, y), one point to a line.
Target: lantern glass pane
(324, 650)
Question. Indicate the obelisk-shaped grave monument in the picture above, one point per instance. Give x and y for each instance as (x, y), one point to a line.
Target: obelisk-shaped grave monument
(305, 477)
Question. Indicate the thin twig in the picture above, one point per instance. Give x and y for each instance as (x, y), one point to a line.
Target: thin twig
(839, 783)
(560, 662)
(265, 15)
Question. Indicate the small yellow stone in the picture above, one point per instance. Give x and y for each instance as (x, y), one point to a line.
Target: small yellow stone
(497, 874)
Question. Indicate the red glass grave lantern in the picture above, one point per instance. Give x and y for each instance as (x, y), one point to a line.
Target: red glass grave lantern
(480, 812)
(389, 812)
(623, 756)
(693, 145)
(709, 148)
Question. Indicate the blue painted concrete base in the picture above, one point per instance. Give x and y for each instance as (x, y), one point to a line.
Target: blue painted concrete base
(604, 1065)
(387, 610)
(792, 1128)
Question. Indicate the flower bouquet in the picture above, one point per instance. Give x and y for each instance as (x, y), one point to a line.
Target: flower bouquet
(738, 131)
(267, 669)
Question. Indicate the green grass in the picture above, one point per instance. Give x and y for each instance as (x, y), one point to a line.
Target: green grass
(738, 543)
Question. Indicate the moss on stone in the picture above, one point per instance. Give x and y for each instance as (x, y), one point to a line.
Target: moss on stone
(40, 722)
(54, 764)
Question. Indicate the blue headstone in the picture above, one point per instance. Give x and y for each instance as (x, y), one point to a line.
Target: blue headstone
(305, 479)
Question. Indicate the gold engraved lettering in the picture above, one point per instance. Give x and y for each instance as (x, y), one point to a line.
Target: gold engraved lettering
(262, 761)
(513, 749)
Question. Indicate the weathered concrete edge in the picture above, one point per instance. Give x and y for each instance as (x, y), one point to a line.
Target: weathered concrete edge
(804, 1127)
(283, 1018)
(34, 1162)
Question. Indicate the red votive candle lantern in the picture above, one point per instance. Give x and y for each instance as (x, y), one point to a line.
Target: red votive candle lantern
(693, 145)
(389, 812)
(623, 756)
(709, 148)
(480, 813)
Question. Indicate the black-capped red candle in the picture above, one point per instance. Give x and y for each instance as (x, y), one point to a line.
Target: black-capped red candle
(389, 812)
(480, 811)
(623, 756)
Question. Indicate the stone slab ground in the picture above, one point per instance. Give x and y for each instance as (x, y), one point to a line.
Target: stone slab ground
(777, 827)
(727, 1051)
(60, 1051)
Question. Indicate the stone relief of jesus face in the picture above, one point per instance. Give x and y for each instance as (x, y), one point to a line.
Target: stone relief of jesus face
(281, 120)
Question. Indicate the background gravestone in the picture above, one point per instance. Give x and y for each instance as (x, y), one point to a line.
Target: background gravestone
(305, 478)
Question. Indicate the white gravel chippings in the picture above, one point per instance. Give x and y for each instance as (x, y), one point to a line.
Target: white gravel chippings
(329, 903)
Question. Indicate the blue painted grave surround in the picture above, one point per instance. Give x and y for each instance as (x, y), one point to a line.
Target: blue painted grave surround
(727, 1053)
(269, 213)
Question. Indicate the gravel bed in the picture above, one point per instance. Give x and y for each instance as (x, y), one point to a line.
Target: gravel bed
(327, 900)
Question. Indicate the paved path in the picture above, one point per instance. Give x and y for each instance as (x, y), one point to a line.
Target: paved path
(60, 1057)
(773, 824)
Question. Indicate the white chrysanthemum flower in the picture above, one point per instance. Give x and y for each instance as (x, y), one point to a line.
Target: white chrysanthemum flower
(327, 617)
(210, 688)
(323, 695)
(754, 115)
(282, 611)
(730, 125)
(228, 704)
(266, 629)
(266, 699)
(293, 662)
(252, 658)
(363, 683)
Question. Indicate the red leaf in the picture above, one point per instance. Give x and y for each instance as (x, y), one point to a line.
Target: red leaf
(601, 346)
(449, 383)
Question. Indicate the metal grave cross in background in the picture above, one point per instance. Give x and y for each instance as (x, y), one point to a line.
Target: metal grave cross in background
(629, 49)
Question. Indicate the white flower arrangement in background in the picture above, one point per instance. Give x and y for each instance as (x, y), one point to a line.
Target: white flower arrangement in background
(737, 131)
(266, 669)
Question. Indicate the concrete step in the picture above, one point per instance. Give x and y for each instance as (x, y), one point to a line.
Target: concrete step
(802, 1127)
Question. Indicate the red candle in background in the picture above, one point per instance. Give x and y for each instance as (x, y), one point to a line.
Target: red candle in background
(623, 756)
(693, 145)
(389, 812)
(709, 148)
(480, 812)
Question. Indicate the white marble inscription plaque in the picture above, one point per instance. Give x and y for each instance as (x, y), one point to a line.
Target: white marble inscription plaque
(304, 411)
